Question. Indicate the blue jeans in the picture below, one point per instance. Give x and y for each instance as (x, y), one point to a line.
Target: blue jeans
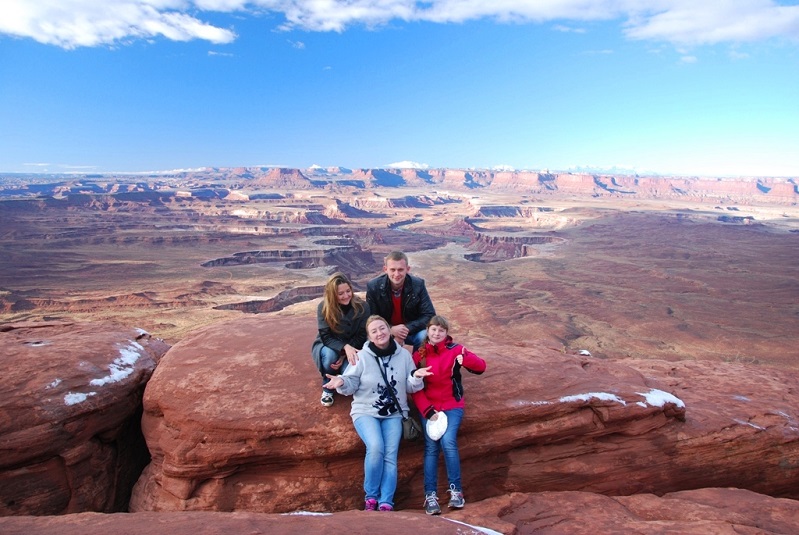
(448, 443)
(382, 438)
(416, 340)
(327, 357)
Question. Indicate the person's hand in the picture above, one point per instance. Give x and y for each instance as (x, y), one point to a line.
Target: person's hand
(434, 417)
(400, 332)
(336, 365)
(422, 372)
(334, 382)
(459, 358)
(352, 354)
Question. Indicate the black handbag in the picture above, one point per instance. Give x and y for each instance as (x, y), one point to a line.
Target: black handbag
(411, 428)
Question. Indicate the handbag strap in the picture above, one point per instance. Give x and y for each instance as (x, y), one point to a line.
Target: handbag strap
(388, 386)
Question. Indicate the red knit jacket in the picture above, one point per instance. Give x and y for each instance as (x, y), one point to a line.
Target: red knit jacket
(443, 390)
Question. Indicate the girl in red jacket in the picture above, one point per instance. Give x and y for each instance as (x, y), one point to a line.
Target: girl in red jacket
(443, 392)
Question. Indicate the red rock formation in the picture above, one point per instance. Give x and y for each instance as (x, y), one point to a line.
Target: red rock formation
(233, 422)
(283, 178)
(339, 210)
(415, 177)
(766, 190)
(780, 191)
(518, 180)
(391, 178)
(69, 415)
(493, 248)
(576, 183)
(450, 178)
(372, 202)
(693, 512)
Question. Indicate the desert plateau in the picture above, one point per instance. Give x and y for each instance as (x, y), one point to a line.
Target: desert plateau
(588, 295)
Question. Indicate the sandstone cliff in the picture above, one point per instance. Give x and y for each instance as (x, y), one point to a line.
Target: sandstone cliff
(70, 403)
(233, 422)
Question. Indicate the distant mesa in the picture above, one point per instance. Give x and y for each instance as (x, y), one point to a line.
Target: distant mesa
(284, 178)
(243, 180)
(510, 211)
(344, 210)
(387, 178)
(497, 248)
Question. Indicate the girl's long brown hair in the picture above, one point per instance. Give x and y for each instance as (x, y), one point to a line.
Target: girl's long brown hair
(331, 310)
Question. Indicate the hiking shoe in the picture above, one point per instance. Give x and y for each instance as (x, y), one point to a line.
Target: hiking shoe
(370, 504)
(431, 504)
(455, 498)
(386, 507)
(327, 399)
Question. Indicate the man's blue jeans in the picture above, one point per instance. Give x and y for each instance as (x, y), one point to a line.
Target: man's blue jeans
(382, 438)
(327, 357)
(449, 444)
(416, 340)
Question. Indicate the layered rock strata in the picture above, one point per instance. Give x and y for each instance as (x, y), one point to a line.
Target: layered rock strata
(233, 423)
(70, 406)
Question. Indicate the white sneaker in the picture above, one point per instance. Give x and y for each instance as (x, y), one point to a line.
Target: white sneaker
(327, 399)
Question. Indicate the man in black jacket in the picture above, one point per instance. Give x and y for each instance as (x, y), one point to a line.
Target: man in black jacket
(401, 299)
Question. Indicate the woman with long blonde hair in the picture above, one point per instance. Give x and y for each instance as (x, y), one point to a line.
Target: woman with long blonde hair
(379, 384)
(341, 319)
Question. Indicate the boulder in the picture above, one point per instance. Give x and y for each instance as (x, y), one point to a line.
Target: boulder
(233, 422)
(70, 406)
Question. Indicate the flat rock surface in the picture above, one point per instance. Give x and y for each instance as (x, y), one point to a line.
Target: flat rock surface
(710, 511)
(714, 511)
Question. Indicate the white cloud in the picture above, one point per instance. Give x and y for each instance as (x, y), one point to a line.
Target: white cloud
(76, 23)
(567, 29)
(697, 23)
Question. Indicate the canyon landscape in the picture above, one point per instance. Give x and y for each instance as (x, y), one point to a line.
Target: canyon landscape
(640, 333)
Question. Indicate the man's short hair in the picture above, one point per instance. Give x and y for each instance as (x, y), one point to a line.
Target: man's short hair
(396, 256)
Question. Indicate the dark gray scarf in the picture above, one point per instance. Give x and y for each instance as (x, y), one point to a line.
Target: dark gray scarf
(389, 350)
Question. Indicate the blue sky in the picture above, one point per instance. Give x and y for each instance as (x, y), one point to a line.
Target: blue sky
(660, 86)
